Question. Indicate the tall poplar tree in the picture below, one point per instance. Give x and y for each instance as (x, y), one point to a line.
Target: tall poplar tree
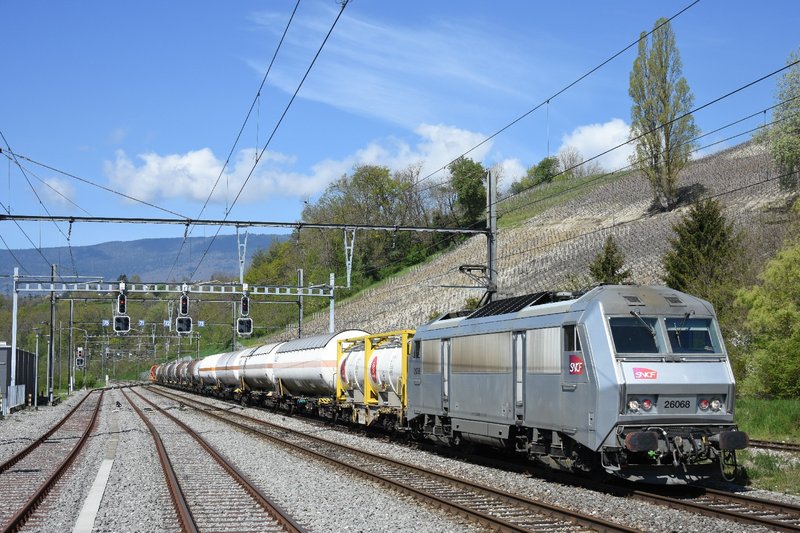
(659, 119)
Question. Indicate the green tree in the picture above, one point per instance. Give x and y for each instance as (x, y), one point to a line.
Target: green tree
(660, 96)
(607, 265)
(542, 172)
(704, 253)
(466, 178)
(772, 323)
(708, 260)
(784, 135)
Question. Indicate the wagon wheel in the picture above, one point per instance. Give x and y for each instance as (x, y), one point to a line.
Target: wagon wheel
(727, 464)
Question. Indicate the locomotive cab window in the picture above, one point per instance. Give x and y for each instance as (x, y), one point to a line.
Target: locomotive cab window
(635, 334)
(572, 342)
(692, 335)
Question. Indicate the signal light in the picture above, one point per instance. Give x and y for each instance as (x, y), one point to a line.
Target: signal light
(184, 307)
(79, 362)
(122, 324)
(244, 307)
(703, 404)
(122, 304)
(647, 404)
(183, 325)
(244, 326)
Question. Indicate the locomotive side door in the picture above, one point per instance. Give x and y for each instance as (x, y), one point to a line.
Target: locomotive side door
(445, 375)
(577, 415)
(518, 340)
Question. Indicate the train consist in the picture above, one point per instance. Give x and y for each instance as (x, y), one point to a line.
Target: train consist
(631, 380)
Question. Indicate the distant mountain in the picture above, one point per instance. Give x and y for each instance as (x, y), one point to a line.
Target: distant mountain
(150, 259)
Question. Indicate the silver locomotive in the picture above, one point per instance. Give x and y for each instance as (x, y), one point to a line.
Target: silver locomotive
(632, 380)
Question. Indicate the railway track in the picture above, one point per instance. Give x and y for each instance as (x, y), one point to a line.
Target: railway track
(704, 501)
(31, 474)
(208, 492)
(489, 506)
(771, 445)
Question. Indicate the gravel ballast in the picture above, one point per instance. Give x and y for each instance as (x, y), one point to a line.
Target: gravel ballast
(318, 497)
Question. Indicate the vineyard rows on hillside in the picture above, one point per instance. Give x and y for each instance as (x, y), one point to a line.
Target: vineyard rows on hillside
(553, 250)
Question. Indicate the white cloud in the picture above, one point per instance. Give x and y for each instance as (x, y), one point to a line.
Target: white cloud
(593, 139)
(509, 170)
(57, 191)
(192, 175)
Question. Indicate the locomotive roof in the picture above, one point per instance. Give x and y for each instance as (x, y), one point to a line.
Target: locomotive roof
(517, 303)
(616, 298)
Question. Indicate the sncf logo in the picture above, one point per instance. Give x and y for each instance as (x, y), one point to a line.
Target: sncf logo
(644, 373)
(576, 365)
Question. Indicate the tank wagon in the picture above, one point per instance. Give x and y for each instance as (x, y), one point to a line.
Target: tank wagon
(631, 380)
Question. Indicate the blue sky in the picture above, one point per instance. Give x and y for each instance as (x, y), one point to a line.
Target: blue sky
(147, 98)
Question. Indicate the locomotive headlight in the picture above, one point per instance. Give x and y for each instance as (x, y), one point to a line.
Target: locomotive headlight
(715, 404)
(633, 405)
(703, 404)
(647, 404)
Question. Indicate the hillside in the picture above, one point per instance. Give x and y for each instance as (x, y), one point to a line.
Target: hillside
(150, 259)
(554, 248)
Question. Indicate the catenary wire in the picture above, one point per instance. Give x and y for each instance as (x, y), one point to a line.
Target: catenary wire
(93, 184)
(660, 126)
(631, 166)
(562, 90)
(14, 256)
(274, 130)
(43, 182)
(760, 127)
(238, 137)
(39, 199)
(603, 175)
(33, 245)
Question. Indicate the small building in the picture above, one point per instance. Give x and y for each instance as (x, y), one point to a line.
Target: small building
(25, 378)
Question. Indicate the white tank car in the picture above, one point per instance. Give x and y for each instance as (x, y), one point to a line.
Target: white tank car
(258, 367)
(181, 373)
(308, 366)
(170, 374)
(229, 367)
(385, 368)
(208, 368)
(193, 372)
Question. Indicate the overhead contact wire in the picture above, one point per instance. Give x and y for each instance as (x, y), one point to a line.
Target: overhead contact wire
(561, 91)
(239, 135)
(274, 130)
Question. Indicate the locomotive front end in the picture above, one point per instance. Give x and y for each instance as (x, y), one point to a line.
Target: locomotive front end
(676, 395)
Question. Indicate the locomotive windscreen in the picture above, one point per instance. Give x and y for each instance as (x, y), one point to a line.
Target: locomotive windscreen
(691, 335)
(634, 334)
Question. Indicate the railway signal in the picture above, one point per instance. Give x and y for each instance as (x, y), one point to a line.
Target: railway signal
(244, 307)
(244, 326)
(184, 305)
(183, 325)
(122, 324)
(122, 304)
